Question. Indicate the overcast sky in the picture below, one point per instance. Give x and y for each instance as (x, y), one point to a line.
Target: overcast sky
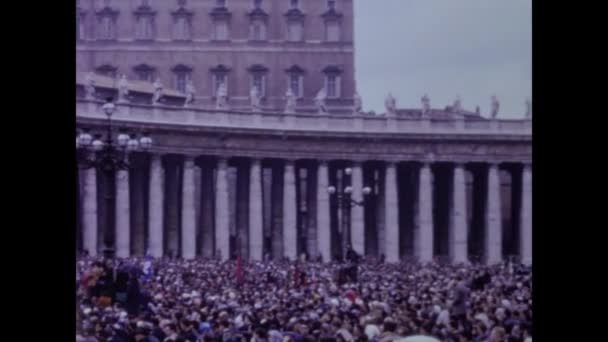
(471, 48)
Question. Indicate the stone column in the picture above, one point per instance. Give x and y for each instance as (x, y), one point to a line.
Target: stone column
(323, 222)
(493, 238)
(89, 211)
(424, 241)
(188, 210)
(222, 232)
(357, 222)
(458, 230)
(391, 214)
(208, 192)
(155, 210)
(123, 217)
(256, 234)
(525, 236)
(290, 232)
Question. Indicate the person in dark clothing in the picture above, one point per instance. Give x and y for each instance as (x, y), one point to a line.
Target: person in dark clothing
(122, 281)
(188, 331)
(133, 297)
(352, 269)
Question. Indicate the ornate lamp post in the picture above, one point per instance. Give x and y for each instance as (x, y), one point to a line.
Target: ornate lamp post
(108, 156)
(345, 203)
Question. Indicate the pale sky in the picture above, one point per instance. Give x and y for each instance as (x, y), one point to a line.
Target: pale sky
(471, 48)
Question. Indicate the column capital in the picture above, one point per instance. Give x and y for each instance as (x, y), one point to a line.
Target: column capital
(322, 162)
(527, 166)
(189, 161)
(222, 163)
(459, 164)
(390, 163)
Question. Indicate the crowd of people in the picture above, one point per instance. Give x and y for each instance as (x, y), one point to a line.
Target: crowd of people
(169, 300)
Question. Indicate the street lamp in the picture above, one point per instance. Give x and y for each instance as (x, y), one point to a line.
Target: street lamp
(345, 203)
(109, 156)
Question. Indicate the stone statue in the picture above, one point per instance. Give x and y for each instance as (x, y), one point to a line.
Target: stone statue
(477, 111)
(89, 86)
(358, 103)
(190, 92)
(495, 107)
(528, 108)
(457, 106)
(221, 96)
(290, 106)
(158, 91)
(254, 96)
(320, 101)
(391, 104)
(123, 89)
(426, 104)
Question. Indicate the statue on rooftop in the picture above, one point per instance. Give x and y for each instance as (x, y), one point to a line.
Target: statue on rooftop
(290, 106)
(495, 107)
(320, 101)
(221, 96)
(391, 104)
(457, 106)
(190, 92)
(254, 96)
(426, 104)
(123, 89)
(528, 108)
(158, 91)
(358, 103)
(89, 85)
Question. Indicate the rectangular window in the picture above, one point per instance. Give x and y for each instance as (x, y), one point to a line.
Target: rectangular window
(258, 80)
(144, 27)
(295, 82)
(331, 86)
(294, 31)
(106, 29)
(145, 75)
(258, 30)
(181, 79)
(221, 30)
(217, 80)
(332, 31)
(182, 29)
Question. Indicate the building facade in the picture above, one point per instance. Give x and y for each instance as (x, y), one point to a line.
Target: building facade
(218, 183)
(306, 45)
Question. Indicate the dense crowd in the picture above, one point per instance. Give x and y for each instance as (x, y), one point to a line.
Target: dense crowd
(141, 299)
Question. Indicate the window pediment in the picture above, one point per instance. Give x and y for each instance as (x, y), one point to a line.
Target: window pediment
(258, 13)
(143, 67)
(257, 68)
(219, 69)
(220, 13)
(332, 69)
(107, 12)
(181, 68)
(144, 10)
(182, 12)
(332, 14)
(295, 69)
(295, 14)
